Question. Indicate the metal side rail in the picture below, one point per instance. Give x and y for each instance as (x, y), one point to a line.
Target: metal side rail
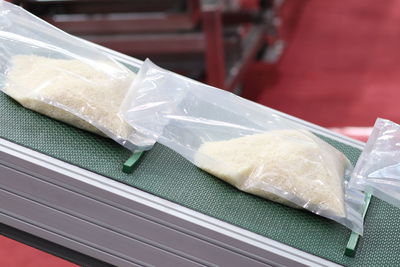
(121, 225)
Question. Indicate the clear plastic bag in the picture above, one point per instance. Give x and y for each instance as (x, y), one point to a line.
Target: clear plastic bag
(378, 168)
(61, 76)
(243, 143)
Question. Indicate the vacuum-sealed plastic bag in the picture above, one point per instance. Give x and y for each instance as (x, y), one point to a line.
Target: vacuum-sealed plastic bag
(61, 76)
(378, 168)
(243, 143)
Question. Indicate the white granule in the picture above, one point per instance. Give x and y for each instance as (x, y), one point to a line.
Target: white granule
(44, 84)
(292, 161)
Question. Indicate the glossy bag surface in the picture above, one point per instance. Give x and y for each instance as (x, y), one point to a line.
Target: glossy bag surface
(243, 143)
(64, 77)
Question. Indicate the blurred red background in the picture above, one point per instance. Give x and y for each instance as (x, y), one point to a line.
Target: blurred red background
(340, 66)
(15, 254)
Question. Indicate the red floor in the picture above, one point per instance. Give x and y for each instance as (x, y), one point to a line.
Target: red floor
(340, 68)
(341, 64)
(14, 254)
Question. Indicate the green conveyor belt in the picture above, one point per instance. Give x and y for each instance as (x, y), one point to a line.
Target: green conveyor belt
(166, 174)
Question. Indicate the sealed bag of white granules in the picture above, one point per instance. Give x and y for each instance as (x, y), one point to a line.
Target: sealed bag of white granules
(245, 144)
(63, 77)
(378, 168)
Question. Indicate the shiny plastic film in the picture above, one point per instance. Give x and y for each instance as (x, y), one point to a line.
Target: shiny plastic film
(63, 77)
(378, 168)
(244, 144)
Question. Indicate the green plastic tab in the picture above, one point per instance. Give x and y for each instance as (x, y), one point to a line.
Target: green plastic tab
(350, 250)
(130, 163)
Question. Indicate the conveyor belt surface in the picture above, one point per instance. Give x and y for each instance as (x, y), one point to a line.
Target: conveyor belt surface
(166, 174)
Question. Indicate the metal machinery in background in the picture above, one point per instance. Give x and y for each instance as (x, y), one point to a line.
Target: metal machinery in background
(209, 40)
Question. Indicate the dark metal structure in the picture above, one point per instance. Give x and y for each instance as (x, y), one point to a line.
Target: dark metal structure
(202, 39)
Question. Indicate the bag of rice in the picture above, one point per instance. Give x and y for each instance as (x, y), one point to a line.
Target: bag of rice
(63, 77)
(243, 143)
(378, 168)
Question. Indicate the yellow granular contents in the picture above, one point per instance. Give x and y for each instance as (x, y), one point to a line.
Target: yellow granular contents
(59, 88)
(292, 161)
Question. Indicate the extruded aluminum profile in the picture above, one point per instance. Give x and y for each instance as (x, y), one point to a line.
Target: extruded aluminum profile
(124, 226)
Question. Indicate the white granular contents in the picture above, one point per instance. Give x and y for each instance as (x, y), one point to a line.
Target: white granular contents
(61, 88)
(289, 161)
